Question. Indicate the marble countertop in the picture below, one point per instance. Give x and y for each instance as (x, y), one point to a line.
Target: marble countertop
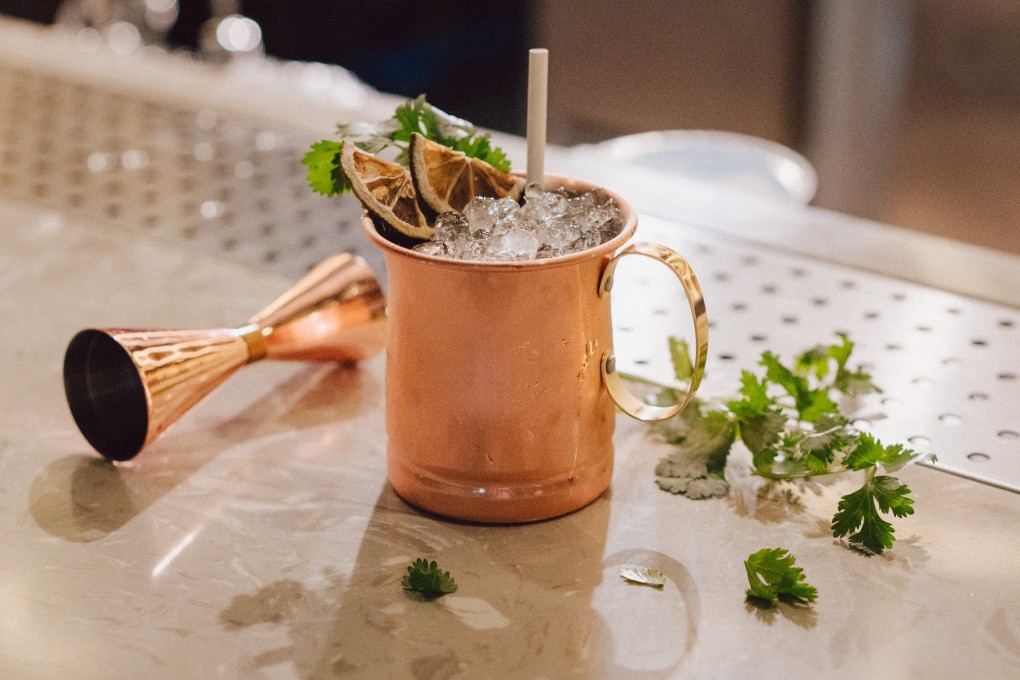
(259, 538)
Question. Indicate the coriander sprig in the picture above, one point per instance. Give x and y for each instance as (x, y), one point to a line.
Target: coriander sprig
(789, 417)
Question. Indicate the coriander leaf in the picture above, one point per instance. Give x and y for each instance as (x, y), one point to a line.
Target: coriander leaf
(645, 576)
(761, 432)
(416, 115)
(870, 452)
(759, 420)
(695, 468)
(859, 512)
(426, 578)
(707, 434)
(773, 578)
(811, 403)
(814, 360)
(854, 383)
(479, 146)
(756, 401)
(782, 376)
(680, 354)
(324, 173)
(841, 352)
(815, 404)
(820, 448)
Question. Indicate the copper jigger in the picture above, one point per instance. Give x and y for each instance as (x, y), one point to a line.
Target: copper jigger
(126, 386)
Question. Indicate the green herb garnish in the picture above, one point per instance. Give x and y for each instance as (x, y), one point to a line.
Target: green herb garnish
(790, 420)
(773, 579)
(426, 578)
(324, 173)
(414, 115)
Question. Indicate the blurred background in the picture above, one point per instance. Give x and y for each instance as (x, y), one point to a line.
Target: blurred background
(909, 110)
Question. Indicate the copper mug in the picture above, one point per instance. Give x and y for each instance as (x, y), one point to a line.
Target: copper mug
(501, 382)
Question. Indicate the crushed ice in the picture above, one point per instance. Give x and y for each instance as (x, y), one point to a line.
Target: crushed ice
(548, 224)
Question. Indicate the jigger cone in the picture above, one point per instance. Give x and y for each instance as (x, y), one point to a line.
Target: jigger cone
(126, 386)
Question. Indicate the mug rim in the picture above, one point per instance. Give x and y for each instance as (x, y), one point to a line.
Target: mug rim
(627, 212)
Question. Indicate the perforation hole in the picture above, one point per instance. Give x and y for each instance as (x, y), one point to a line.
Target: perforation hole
(978, 457)
(920, 443)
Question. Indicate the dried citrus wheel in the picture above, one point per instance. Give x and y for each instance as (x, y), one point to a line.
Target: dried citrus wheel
(446, 179)
(386, 190)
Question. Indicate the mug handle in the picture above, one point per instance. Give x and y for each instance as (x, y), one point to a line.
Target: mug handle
(623, 397)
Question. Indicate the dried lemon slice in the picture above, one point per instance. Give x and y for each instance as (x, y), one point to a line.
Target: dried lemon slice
(385, 190)
(446, 179)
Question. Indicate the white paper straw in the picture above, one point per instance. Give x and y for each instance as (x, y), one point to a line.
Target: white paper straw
(538, 85)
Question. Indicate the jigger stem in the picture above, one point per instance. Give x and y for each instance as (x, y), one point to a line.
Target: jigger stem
(125, 387)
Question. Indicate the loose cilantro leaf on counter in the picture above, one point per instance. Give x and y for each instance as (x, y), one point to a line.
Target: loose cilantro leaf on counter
(773, 579)
(414, 115)
(789, 417)
(645, 576)
(695, 468)
(859, 512)
(426, 578)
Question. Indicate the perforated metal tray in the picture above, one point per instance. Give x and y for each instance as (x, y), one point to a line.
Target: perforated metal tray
(222, 183)
(946, 363)
(197, 177)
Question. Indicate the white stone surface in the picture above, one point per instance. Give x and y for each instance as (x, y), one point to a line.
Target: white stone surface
(258, 538)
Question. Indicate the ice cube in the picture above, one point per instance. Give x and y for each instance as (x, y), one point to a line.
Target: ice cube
(437, 248)
(513, 245)
(490, 214)
(547, 205)
(468, 249)
(451, 226)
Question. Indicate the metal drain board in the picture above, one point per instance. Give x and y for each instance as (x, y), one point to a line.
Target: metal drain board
(220, 183)
(208, 181)
(945, 363)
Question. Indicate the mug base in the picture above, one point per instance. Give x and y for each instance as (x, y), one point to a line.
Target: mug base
(500, 502)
